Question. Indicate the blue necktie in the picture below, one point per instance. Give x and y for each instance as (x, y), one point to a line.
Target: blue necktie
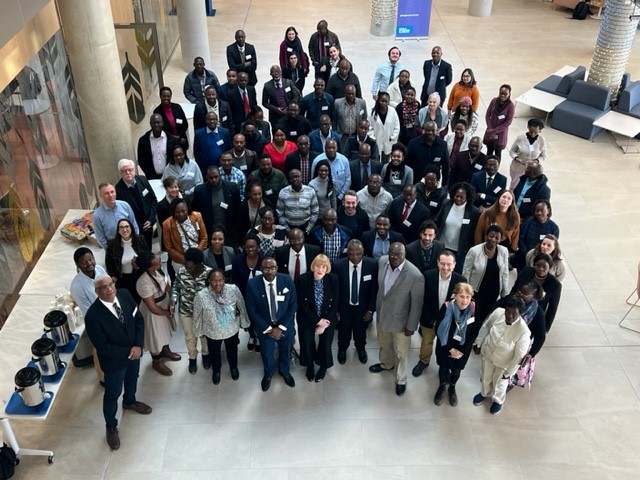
(354, 285)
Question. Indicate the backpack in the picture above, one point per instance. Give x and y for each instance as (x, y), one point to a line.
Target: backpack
(8, 462)
(581, 11)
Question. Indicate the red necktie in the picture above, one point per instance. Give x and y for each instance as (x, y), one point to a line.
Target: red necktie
(296, 269)
(245, 102)
(405, 214)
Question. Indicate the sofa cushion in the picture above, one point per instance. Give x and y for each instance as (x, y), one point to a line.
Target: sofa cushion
(630, 98)
(589, 94)
(549, 84)
(569, 80)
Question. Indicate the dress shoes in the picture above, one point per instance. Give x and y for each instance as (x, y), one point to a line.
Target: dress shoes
(159, 366)
(113, 439)
(288, 379)
(400, 389)
(453, 396)
(235, 374)
(138, 407)
(215, 378)
(439, 398)
(206, 362)
(256, 345)
(342, 357)
(168, 354)
(320, 375)
(266, 383)
(251, 344)
(419, 368)
(377, 368)
(310, 374)
(362, 356)
(193, 366)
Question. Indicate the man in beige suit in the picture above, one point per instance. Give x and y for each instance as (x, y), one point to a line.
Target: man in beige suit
(398, 306)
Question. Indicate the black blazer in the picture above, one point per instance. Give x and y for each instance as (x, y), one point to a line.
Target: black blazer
(414, 255)
(307, 314)
(145, 156)
(368, 289)
(143, 211)
(235, 62)
(353, 147)
(356, 171)
(282, 256)
(430, 306)
(202, 203)
(418, 214)
(445, 76)
(479, 182)
(369, 238)
(225, 118)
(467, 231)
(237, 107)
(112, 340)
(292, 162)
(245, 223)
(270, 100)
(182, 124)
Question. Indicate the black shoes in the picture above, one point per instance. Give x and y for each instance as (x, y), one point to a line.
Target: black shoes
(320, 375)
(342, 357)
(288, 379)
(439, 398)
(138, 407)
(193, 366)
(377, 368)
(266, 383)
(453, 396)
(400, 389)
(310, 374)
(235, 374)
(215, 378)
(419, 368)
(362, 356)
(206, 362)
(251, 344)
(113, 439)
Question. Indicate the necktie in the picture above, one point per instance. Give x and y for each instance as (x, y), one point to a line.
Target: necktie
(489, 182)
(277, 85)
(296, 269)
(393, 72)
(118, 310)
(354, 285)
(245, 103)
(242, 57)
(365, 175)
(272, 301)
(405, 214)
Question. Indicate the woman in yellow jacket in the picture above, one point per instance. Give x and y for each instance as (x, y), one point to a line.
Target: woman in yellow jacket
(184, 229)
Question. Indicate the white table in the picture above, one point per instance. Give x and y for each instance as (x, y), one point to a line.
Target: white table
(547, 102)
(567, 69)
(626, 125)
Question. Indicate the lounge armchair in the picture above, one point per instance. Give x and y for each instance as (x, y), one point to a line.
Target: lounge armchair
(561, 85)
(584, 105)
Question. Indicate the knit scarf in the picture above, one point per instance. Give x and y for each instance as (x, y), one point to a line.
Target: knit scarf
(453, 313)
(530, 312)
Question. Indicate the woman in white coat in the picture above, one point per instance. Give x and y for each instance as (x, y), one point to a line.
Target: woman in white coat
(385, 126)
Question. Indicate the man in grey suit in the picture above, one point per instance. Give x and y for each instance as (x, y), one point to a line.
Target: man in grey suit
(347, 113)
(398, 306)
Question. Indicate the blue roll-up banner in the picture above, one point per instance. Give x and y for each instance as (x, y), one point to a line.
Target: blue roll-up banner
(412, 21)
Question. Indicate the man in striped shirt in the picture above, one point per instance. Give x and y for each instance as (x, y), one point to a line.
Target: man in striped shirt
(297, 204)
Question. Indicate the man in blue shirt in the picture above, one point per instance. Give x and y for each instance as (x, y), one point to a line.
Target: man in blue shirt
(317, 103)
(210, 142)
(386, 73)
(106, 216)
(340, 172)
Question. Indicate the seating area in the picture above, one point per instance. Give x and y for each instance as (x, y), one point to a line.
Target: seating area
(562, 85)
(629, 101)
(585, 104)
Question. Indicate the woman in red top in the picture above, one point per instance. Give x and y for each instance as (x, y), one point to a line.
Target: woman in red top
(279, 148)
(175, 120)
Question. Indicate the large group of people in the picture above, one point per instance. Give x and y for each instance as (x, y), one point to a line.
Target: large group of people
(312, 222)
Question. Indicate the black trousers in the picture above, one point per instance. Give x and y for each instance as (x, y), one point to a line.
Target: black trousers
(230, 345)
(353, 326)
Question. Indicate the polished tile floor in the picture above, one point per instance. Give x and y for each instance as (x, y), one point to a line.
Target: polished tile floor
(581, 419)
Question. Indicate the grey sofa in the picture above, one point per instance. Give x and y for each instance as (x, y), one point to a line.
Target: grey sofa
(629, 101)
(562, 85)
(584, 105)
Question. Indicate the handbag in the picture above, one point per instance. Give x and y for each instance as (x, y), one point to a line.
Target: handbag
(8, 462)
(524, 376)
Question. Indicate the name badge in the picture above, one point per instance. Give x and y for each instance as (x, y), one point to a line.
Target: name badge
(406, 223)
(361, 112)
(457, 338)
(197, 226)
(477, 166)
(189, 174)
(280, 298)
(288, 89)
(228, 268)
(293, 132)
(224, 119)
(542, 236)
(224, 205)
(135, 311)
(285, 290)
(289, 49)
(396, 181)
(366, 278)
(501, 117)
(326, 44)
(471, 320)
(531, 148)
(466, 221)
(220, 142)
(442, 77)
(437, 159)
(247, 57)
(145, 192)
(433, 204)
(496, 190)
(325, 107)
(243, 167)
(526, 200)
(269, 192)
(179, 121)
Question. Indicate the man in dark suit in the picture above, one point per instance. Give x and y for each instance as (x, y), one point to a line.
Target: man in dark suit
(438, 74)
(296, 253)
(116, 329)
(277, 94)
(467, 162)
(153, 161)
(377, 242)
(242, 100)
(210, 143)
(424, 252)
(272, 304)
(354, 142)
(138, 193)
(196, 79)
(211, 102)
(406, 214)
(219, 203)
(357, 277)
(438, 287)
(301, 159)
(293, 124)
(488, 183)
(363, 167)
(241, 57)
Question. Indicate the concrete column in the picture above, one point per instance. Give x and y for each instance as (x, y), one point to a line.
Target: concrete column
(93, 54)
(194, 37)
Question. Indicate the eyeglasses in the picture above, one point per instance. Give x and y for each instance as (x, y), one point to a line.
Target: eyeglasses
(124, 227)
(127, 170)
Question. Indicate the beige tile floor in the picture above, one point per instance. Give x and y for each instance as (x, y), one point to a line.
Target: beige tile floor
(581, 419)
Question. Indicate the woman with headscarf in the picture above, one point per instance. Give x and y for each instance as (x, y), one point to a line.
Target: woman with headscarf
(465, 112)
